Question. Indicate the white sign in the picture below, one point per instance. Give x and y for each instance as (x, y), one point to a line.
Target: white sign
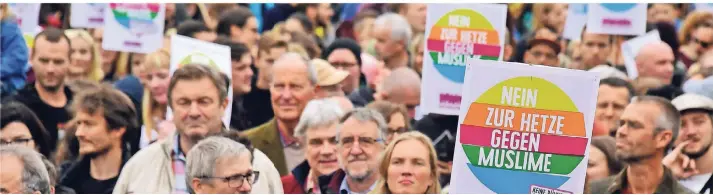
(134, 27)
(704, 6)
(186, 50)
(576, 19)
(617, 18)
(523, 129)
(456, 34)
(631, 48)
(27, 15)
(87, 15)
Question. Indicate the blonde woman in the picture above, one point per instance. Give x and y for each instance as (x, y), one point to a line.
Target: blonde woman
(695, 36)
(417, 49)
(86, 58)
(156, 78)
(408, 166)
(114, 64)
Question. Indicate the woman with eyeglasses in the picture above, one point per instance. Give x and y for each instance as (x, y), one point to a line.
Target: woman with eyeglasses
(696, 36)
(396, 117)
(408, 166)
(19, 125)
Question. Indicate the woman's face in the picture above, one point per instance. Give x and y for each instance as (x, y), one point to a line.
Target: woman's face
(557, 16)
(702, 37)
(409, 169)
(137, 62)
(17, 133)
(325, 12)
(107, 56)
(157, 81)
(81, 56)
(597, 167)
(418, 61)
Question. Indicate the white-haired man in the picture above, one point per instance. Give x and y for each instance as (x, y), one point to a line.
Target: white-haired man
(393, 33)
(22, 171)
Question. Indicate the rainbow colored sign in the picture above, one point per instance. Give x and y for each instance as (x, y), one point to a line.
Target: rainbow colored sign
(136, 17)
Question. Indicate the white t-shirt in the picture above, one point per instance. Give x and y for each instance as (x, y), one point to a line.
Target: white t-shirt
(695, 183)
(144, 141)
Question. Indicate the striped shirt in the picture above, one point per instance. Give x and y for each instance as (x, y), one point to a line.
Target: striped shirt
(179, 168)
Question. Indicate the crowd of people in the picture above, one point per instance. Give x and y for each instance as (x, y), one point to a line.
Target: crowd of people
(325, 100)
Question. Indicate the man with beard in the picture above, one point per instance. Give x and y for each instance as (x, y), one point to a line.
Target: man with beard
(692, 160)
(159, 168)
(106, 120)
(48, 97)
(649, 125)
(360, 137)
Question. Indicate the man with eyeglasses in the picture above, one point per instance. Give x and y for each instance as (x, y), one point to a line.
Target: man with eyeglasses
(543, 52)
(219, 165)
(345, 54)
(360, 141)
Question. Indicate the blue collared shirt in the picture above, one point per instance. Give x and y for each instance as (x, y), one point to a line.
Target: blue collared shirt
(345, 188)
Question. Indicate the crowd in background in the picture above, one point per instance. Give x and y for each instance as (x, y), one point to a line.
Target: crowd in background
(325, 100)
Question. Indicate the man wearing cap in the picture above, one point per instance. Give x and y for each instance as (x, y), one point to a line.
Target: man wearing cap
(345, 54)
(692, 159)
(329, 79)
(543, 52)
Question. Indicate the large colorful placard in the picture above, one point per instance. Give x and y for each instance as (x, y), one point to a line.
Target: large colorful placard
(457, 33)
(617, 18)
(576, 19)
(186, 50)
(523, 129)
(134, 27)
(87, 15)
(27, 16)
(630, 48)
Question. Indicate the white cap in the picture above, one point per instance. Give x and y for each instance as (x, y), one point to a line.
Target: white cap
(692, 101)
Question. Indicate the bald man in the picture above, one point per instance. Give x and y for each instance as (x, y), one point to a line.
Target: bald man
(402, 86)
(656, 60)
(344, 103)
(292, 86)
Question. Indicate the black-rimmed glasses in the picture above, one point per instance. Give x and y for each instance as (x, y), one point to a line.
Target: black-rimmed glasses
(237, 180)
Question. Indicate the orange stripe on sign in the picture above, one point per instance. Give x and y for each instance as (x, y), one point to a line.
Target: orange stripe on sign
(480, 115)
(491, 35)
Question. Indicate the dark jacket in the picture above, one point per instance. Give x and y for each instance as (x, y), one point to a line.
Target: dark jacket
(362, 96)
(78, 172)
(329, 184)
(131, 86)
(617, 183)
(266, 138)
(294, 183)
(277, 14)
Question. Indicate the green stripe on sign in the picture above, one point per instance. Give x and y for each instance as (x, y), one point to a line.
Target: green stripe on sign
(559, 164)
(494, 58)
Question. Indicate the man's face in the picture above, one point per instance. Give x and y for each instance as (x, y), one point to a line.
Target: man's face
(95, 138)
(610, 104)
(344, 59)
(290, 90)
(703, 37)
(242, 75)
(696, 127)
(266, 60)
(543, 55)
(635, 138)
(228, 167)
(658, 65)
(249, 35)
(321, 149)
(11, 175)
(359, 148)
(325, 12)
(50, 62)
(662, 12)
(416, 16)
(410, 97)
(207, 36)
(385, 46)
(197, 113)
(595, 49)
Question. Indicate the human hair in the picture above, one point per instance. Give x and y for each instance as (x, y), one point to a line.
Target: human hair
(619, 83)
(192, 72)
(540, 11)
(159, 59)
(293, 57)
(693, 21)
(318, 113)
(387, 109)
(400, 28)
(237, 50)
(345, 43)
(116, 108)
(53, 35)
(201, 159)
(34, 174)
(669, 118)
(95, 72)
(51, 170)
(191, 27)
(269, 41)
(607, 145)
(584, 32)
(382, 186)
(365, 115)
(236, 16)
(303, 20)
(17, 112)
(401, 78)
(235, 135)
(308, 42)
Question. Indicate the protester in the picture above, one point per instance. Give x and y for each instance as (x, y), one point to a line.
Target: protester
(695, 36)
(701, 82)
(649, 126)
(345, 54)
(329, 79)
(317, 129)
(408, 166)
(603, 161)
(614, 96)
(241, 75)
(19, 125)
(106, 120)
(655, 59)
(218, 165)
(14, 57)
(197, 30)
(402, 86)
(86, 60)
(159, 168)
(292, 87)
(417, 50)
(396, 118)
(543, 52)
(241, 26)
(551, 15)
(595, 49)
(692, 159)
(268, 182)
(663, 12)
(393, 35)
(260, 106)
(55, 188)
(415, 14)
(324, 28)
(114, 64)
(48, 97)
(22, 171)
